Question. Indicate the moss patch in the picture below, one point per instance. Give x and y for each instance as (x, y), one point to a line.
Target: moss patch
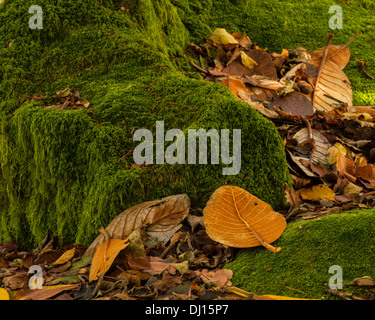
(309, 248)
(69, 171)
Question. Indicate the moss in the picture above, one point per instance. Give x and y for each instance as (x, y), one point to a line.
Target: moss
(69, 171)
(309, 249)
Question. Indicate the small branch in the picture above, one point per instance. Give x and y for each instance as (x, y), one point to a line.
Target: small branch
(361, 65)
(324, 58)
(198, 68)
(344, 46)
(336, 293)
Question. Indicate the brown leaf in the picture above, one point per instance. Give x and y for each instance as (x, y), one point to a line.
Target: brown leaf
(236, 218)
(335, 53)
(366, 172)
(295, 103)
(16, 281)
(42, 294)
(333, 87)
(158, 216)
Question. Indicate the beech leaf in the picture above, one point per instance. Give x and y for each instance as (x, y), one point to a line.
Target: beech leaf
(236, 218)
(104, 255)
(157, 217)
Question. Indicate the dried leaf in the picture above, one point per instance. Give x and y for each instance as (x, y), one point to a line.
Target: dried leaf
(42, 294)
(236, 218)
(247, 61)
(318, 192)
(221, 36)
(158, 217)
(104, 256)
(366, 172)
(4, 295)
(66, 256)
(332, 153)
(321, 144)
(335, 53)
(295, 103)
(333, 87)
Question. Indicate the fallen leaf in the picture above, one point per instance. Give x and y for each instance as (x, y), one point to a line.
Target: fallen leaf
(295, 103)
(42, 294)
(221, 276)
(247, 61)
(66, 256)
(16, 281)
(236, 218)
(104, 255)
(332, 153)
(4, 295)
(221, 36)
(158, 217)
(318, 192)
(366, 172)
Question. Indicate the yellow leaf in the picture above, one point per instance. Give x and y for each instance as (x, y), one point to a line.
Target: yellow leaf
(317, 192)
(275, 297)
(247, 61)
(284, 53)
(105, 254)
(4, 295)
(332, 153)
(236, 218)
(66, 256)
(221, 36)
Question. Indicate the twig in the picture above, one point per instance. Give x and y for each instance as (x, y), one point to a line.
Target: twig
(308, 125)
(361, 65)
(198, 68)
(344, 46)
(365, 195)
(336, 293)
(324, 58)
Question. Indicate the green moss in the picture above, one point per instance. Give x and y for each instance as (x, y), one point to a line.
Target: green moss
(69, 171)
(66, 170)
(309, 249)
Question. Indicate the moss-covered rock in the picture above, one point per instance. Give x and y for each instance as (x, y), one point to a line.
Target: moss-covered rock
(309, 249)
(70, 171)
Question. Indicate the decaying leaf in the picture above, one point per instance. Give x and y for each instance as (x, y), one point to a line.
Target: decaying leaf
(157, 216)
(42, 294)
(104, 255)
(236, 218)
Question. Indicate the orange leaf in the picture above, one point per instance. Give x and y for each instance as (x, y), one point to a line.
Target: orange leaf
(236, 218)
(42, 294)
(105, 254)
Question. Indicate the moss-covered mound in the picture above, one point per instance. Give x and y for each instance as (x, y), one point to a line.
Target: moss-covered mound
(70, 171)
(309, 249)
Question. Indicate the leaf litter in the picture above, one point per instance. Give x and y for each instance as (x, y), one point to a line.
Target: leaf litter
(166, 250)
(329, 143)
